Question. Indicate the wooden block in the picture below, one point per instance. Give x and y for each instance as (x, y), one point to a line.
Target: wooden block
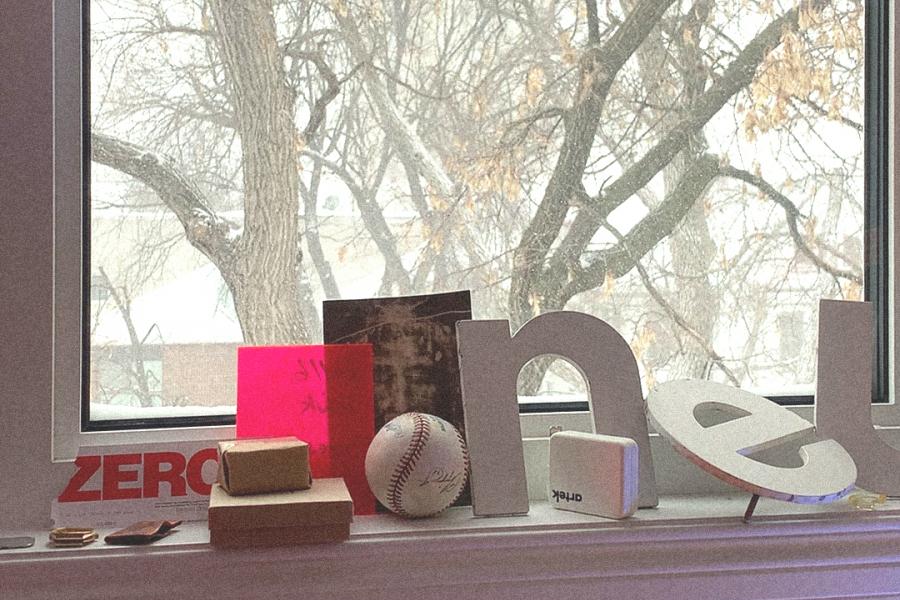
(327, 502)
(279, 536)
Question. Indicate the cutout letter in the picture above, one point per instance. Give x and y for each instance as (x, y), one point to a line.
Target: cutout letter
(723, 450)
(844, 393)
(490, 361)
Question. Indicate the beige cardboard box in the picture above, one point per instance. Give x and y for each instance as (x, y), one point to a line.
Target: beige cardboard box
(279, 536)
(327, 502)
(260, 466)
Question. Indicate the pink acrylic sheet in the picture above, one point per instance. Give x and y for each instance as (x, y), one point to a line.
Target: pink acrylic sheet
(319, 394)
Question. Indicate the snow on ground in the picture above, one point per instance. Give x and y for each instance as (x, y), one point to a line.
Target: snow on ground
(106, 412)
(189, 309)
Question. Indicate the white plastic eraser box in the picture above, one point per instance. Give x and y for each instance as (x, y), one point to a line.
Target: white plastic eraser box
(593, 474)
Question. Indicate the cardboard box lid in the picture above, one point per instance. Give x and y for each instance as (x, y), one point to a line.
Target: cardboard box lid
(326, 502)
(257, 444)
(263, 465)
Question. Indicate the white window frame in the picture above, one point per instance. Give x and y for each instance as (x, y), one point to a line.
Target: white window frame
(45, 441)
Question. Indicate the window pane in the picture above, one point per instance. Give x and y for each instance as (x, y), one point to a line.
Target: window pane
(691, 172)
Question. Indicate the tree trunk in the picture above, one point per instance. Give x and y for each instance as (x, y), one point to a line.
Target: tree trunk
(265, 277)
(693, 249)
(693, 252)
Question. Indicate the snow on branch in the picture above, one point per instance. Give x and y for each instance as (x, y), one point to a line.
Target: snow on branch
(211, 234)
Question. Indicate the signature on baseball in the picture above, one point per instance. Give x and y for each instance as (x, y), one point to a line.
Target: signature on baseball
(446, 480)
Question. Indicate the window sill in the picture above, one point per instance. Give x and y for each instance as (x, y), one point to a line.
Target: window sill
(691, 546)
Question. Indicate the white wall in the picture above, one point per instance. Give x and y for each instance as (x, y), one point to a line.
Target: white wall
(26, 284)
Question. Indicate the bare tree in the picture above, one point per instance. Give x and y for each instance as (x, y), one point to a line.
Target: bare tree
(490, 145)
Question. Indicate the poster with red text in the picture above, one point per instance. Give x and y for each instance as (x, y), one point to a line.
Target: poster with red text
(113, 486)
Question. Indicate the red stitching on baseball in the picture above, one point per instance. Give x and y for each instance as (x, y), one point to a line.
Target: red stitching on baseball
(465, 453)
(465, 457)
(421, 433)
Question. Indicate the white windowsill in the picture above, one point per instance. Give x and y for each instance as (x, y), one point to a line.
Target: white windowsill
(689, 547)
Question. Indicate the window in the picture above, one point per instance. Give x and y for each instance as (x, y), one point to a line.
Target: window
(421, 147)
(40, 293)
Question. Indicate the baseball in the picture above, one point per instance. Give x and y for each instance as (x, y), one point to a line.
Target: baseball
(417, 465)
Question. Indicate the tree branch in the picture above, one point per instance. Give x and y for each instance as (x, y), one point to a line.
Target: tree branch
(598, 69)
(821, 111)
(372, 217)
(792, 215)
(418, 159)
(653, 228)
(401, 133)
(736, 77)
(137, 369)
(332, 89)
(210, 234)
(676, 317)
(309, 196)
